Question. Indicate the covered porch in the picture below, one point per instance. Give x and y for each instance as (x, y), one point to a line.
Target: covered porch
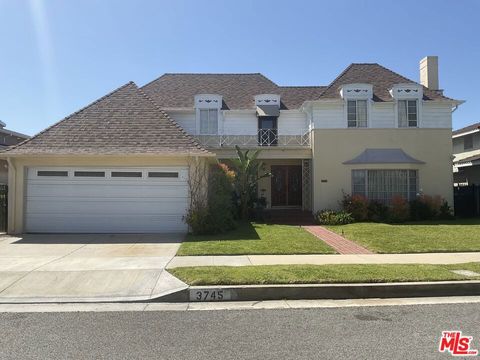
(290, 186)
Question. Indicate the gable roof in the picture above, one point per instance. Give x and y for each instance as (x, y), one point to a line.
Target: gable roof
(380, 77)
(237, 90)
(467, 129)
(125, 121)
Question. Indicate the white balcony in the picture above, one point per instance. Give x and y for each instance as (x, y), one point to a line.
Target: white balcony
(263, 138)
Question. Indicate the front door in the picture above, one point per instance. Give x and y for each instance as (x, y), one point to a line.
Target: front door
(286, 185)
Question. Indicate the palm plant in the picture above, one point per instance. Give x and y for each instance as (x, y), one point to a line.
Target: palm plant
(248, 172)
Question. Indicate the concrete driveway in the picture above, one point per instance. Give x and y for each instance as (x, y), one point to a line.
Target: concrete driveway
(90, 267)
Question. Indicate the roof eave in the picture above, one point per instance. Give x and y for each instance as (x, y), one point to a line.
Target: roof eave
(6, 154)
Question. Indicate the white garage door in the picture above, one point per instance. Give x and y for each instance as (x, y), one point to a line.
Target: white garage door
(106, 200)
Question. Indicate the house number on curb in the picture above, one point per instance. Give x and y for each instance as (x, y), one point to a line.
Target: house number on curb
(209, 295)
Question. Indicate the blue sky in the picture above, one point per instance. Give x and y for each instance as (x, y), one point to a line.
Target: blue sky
(57, 56)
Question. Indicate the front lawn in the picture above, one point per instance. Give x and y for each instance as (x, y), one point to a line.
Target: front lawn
(252, 238)
(421, 237)
(320, 274)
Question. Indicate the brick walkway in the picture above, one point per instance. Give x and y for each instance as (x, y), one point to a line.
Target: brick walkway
(339, 243)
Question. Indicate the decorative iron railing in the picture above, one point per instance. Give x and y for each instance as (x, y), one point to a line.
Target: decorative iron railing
(264, 137)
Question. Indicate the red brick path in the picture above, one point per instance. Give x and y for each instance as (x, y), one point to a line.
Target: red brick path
(339, 243)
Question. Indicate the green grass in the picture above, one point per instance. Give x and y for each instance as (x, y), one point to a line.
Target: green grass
(420, 237)
(252, 238)
(320, 274)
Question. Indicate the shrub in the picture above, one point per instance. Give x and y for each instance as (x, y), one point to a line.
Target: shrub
(399, 210)
(356, 205)
(220, 201)
(425, 207)
(377, 211)
(331, 217)
(217, 215)
(445, 212)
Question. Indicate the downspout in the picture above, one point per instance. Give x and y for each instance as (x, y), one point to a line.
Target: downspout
(11, 198)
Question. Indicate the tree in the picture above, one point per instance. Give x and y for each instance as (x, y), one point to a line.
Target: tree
(248, 172)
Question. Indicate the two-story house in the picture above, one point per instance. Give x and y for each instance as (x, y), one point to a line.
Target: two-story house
(122, 164)
(466, 152)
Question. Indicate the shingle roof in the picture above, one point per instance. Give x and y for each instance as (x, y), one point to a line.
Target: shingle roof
(238, 90)
(468, 128)
(380, 77)
(383, 156)
(126, 121)
(467, 159)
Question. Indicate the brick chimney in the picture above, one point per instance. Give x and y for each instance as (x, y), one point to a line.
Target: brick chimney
(429, 72)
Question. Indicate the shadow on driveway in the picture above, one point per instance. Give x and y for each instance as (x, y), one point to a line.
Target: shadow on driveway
(100, 238)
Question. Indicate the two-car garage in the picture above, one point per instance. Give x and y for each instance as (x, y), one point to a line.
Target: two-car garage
(106, 200)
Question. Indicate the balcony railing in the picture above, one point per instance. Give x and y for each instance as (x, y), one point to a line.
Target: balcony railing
(264, 137)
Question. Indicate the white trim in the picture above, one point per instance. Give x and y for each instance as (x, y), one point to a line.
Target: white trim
(466, 133)
(356, 91)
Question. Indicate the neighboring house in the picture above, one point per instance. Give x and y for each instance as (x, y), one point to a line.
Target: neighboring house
(466, 151)
(7, 138)
(122, 165)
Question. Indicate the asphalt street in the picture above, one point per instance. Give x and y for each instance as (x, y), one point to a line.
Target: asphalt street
(388, 332)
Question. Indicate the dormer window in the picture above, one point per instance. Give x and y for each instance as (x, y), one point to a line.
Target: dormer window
(357, 113)
(407, 113)
(408, 97)
(207, 108)
(357, 98)
(208, 121)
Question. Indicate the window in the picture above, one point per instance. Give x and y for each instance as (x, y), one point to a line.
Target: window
(52, 173)
(468, 142)
(163, 174)
(407, 113)
(357, 113)
(267, 130)
(89, 173)
(208, 121)
(383, 185)
(127, 174)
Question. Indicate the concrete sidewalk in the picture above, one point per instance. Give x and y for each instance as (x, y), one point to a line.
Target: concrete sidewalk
(246, 260)
(87, 268)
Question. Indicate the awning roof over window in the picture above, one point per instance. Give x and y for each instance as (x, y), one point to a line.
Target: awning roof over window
(384, 156)
(268, 110)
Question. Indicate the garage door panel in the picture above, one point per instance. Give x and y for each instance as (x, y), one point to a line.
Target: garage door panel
(72, 223)
(116, 205)
(112, 206)
(106, 190)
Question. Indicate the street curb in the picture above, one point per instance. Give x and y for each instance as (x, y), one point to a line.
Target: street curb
(328, 291)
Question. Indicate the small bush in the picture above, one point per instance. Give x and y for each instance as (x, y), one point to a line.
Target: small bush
(425, 207)
(377, 211)
(445, 212)
(331, 217)
(356, 205)
(399, 210)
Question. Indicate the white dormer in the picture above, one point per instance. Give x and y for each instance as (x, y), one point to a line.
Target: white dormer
(406, 91)
(208, 101)
(267, 105)
(357, 104)
(356, 91)
(267, 99)
(408, 104)
(207, 113)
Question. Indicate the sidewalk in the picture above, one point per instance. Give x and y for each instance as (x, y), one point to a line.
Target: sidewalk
(247, 260)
